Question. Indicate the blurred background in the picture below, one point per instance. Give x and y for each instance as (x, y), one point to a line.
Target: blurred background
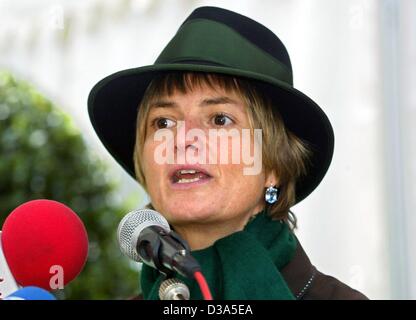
(355, 58)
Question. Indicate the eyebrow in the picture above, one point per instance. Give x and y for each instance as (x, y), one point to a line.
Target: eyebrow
(205, 102)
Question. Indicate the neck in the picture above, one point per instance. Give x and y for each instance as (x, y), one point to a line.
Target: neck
(203, 235)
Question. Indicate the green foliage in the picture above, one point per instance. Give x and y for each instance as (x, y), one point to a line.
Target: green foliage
(43, 156)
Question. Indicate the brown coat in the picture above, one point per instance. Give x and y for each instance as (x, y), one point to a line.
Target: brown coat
(307, 283)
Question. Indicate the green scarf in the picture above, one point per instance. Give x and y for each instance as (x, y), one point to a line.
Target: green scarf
(242, 266)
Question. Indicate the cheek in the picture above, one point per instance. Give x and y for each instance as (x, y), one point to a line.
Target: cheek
(149, 165)
(241, 192)
(240, 185)
(252, 188)
(236, 147)
(153, 173)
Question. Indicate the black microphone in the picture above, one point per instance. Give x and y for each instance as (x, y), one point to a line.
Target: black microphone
(145, 236)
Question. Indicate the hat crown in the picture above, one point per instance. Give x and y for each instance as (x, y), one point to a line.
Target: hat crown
(219, 37)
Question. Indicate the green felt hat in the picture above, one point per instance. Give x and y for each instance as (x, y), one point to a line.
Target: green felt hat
(215, 40)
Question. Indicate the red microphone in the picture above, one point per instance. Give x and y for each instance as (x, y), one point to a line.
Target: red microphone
(41, 238)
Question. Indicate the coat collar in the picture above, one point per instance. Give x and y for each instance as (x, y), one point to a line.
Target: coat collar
(299, 273)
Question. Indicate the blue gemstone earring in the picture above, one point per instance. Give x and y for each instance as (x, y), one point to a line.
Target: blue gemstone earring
(272, 194)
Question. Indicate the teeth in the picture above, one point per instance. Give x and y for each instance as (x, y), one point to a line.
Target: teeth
(187, 171)
(188, 180)
(197, 175)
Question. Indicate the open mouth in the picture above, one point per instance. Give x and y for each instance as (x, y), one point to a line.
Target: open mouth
(187, 176)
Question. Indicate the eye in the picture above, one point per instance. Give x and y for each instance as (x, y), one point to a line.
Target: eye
(162, 123)
(222, 120)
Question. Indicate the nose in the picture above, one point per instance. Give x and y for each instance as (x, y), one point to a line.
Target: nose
(190, 141)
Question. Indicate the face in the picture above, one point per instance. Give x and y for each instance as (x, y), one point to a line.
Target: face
(201, 193)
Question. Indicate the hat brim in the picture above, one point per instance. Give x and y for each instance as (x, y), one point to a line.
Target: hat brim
(113, 104)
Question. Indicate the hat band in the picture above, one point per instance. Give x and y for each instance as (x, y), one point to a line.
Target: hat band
(214, 42)
(198, 62)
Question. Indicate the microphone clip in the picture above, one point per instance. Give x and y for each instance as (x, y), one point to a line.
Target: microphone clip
(166, 251)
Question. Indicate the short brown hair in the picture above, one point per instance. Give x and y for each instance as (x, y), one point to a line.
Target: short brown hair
(283, 153)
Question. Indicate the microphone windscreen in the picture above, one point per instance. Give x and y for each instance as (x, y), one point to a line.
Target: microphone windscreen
(132, 225)
(30, 293)
(43, 238)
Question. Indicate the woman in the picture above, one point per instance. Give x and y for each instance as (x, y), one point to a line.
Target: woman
(187, 128)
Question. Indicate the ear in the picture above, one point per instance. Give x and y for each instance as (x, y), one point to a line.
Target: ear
(271, 180)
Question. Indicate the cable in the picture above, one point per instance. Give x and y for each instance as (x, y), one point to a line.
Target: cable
(203, 285)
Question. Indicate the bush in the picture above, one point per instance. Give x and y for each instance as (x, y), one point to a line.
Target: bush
(43, 156)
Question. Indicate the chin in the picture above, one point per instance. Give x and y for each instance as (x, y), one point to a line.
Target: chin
(189, 212)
